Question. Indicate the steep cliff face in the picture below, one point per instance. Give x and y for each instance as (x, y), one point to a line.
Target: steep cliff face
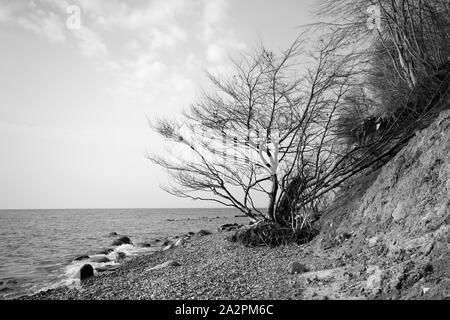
(395, 223)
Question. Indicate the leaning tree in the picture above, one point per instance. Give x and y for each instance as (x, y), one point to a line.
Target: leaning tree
(265, 131)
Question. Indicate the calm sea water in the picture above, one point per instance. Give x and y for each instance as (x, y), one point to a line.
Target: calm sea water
(37, 247)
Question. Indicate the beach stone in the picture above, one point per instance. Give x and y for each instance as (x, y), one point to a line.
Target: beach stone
(170, 263)
(229, 227)
(165, 242)
(120, 255)
(296, 267)
(144, 244)
(203, 232)
(100, 259)
(86, 271)
(79, 258)
(106, 268)
(122, 240)
(180, 242)
(374, 280)
(399, 212)
(168, 247)
(373, 241)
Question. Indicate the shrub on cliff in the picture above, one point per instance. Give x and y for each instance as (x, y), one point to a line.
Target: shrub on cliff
(271, 234)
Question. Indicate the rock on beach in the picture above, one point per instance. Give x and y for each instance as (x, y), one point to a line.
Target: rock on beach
(203, 232)
(170, 263)
(168, 247)
(122, 240)
(180, 242)
(229, 227)
(86, 271)
(80, 258)
(99, 259)
(297, 267)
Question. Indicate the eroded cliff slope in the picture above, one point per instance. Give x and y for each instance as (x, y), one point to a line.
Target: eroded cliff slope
(391, 230)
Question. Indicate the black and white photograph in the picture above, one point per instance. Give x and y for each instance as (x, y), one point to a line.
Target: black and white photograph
(251, 151)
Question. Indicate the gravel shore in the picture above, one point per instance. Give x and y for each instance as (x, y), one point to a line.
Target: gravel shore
(211, 267)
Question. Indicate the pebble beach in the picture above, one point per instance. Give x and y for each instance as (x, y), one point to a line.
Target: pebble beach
(209, 267)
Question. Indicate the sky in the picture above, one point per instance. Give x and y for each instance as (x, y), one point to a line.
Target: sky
(79, 80)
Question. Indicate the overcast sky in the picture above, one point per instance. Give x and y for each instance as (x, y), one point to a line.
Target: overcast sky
(74, 97)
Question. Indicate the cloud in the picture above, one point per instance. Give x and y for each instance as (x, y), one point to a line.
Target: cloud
(218, 38)
(89, 43)
(214, 12)
(46, 24)
(113, 14)
(139, 44)
(218, 51)
(47, 18)
(166, 39)
(147, 78)
(5, 13)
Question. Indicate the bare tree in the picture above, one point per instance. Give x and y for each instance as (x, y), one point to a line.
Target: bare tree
(414, 34)
(274, 126)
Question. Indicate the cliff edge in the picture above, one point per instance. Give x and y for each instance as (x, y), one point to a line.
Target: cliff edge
(393, 226)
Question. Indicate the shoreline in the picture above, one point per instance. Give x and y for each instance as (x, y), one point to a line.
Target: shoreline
(57, 268)
(209, 267)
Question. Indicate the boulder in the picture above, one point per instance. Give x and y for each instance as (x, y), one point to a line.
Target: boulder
(203, 232)
(99, 259)
(296, 267)
(190, 233)
(80, 258)
(86, 271)
(170, 263)
(113, 234)
(122, 240)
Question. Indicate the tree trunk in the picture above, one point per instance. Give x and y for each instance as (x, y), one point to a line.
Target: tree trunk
(273, 198)
(288, 201)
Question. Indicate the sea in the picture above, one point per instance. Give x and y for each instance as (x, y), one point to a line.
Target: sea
(38, 247)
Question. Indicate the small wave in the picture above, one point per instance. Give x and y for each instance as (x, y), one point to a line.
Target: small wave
(72, 271)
